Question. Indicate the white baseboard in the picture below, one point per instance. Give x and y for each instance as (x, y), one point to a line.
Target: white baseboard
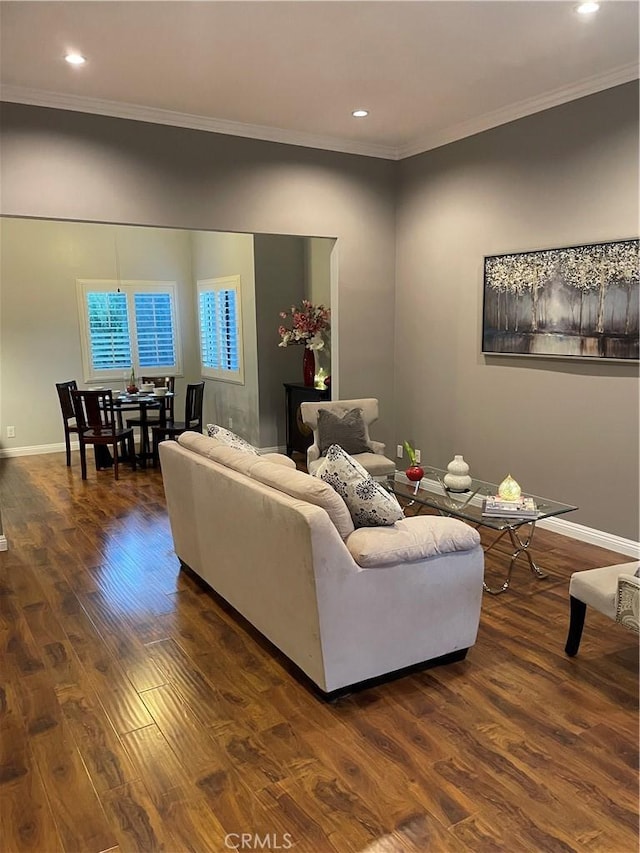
(35, 449)
(594, 537)
(4, 545)
(601, 538)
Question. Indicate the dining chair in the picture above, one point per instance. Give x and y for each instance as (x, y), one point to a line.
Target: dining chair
(68, 414)
(192, 419)
(167, 382)
(96, 420)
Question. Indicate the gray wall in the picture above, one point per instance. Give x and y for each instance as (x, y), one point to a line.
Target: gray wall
(39, 326)
(564, 429)
(280, 283)
(71, 165)
(216, 254)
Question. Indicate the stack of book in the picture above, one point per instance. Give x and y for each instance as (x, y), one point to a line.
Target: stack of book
(495, 507)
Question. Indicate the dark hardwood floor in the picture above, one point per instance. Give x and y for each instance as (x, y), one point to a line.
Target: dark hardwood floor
(138, 713)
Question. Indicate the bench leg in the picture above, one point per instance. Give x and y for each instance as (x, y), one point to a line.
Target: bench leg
(576, 624)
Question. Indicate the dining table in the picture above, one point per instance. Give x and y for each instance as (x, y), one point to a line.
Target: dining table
(143, 402)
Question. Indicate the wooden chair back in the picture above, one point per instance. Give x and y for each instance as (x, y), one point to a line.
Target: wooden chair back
(193, 406)
(94, 411)
(64, 390)
(168, 382)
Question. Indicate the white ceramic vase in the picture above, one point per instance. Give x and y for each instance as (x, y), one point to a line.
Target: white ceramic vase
(457, 478)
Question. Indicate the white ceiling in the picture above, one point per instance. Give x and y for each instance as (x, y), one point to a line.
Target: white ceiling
(428, 71)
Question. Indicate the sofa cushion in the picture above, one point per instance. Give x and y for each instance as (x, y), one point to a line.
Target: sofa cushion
(279, 459)
(347, 430)
(369, 503)
(277, 474)
(214, 449)
(230, 438)
(411, 539)
(302, 486)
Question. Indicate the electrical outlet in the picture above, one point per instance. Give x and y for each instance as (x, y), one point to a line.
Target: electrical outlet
(418, 456)
(230, 423)
(399, 451)
(11, 432)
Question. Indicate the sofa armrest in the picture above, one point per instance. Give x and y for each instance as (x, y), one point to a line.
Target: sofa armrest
(313, 453)
(411, 539)
(628, 602)
(377, 447)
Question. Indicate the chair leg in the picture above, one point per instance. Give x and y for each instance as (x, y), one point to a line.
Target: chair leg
(67, 441)
(115, 460)
(576, 624)
(83, 459)
(132, 451)
(155, 451)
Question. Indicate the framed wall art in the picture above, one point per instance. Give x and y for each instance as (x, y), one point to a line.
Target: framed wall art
(580, 302)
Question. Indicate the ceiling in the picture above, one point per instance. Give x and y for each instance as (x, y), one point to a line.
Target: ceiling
(428, 71)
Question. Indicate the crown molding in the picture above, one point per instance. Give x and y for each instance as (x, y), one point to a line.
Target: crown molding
(153, 115)
(554, 98)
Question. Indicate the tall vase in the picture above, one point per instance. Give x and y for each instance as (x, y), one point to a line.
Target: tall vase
(308, 367)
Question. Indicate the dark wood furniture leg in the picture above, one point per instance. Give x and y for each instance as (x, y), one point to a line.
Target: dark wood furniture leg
(576, 624)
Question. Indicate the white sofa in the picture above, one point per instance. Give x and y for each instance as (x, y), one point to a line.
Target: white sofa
(344, 605)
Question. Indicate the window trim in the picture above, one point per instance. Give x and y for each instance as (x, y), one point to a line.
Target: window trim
(229, 282)
(130, 287)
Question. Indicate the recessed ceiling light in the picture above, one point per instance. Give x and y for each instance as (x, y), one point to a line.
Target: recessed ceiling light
(360, 113)
(587, 8)
(75, 59)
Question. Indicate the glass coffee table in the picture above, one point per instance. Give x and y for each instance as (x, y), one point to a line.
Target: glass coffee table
(431, 492)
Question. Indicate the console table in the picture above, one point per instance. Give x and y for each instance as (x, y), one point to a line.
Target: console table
(431, 492)
(299, 435)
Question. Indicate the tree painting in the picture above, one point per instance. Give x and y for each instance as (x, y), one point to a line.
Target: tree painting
(580, 301)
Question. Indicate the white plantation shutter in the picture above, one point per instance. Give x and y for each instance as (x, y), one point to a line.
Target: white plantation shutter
(209, 346)
(220, 322)
(108, 330)
(154, 330)
(227, 323)
(128, 324)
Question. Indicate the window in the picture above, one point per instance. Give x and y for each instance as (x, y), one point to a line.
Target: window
(220, 323)
(129, 324)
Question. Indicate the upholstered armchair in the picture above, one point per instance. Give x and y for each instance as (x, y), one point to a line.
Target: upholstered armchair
(371, 458)
(612, 590)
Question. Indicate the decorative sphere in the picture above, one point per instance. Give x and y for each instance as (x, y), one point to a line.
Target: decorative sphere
(509, 490)
(414, 473)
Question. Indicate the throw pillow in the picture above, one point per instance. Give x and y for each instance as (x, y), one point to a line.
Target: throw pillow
(369, 503)
(230, 438)
(348, 431)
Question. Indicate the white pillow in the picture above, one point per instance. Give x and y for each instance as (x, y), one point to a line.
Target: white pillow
(369, 503)
(230, 438)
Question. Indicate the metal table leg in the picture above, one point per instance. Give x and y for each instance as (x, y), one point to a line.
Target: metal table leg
(521, 547)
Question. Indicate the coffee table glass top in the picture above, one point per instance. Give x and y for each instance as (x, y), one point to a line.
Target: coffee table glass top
(433, 493)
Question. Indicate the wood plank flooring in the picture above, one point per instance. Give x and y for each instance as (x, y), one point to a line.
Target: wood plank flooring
(139, 713)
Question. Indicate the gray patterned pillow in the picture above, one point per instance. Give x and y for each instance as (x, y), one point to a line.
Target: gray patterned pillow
(369, 503)
(230, 438)
(349, 431)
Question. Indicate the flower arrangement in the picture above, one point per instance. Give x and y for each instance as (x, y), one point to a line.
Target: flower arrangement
(309, 323)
